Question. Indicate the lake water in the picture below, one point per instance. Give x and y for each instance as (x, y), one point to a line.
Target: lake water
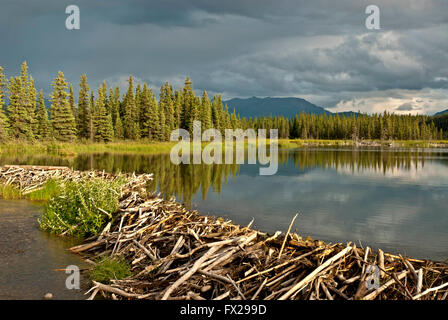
(29, 258)
(390, 198)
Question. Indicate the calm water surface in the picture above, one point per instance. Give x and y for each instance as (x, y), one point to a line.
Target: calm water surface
(29, 257)
(393, 199)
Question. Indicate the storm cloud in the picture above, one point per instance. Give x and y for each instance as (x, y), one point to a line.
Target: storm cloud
(317, 50)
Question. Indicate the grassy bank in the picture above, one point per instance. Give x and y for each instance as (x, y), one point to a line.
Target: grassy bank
(71, 149)
(298, 143)
(142, 147)
(77, 203)
(12, 192)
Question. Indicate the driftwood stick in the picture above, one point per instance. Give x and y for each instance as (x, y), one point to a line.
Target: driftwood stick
(120, 292)
(325, 289)
(259, 289)
(381, 262)
(280, 265)
(188, 274)
(286, 236)
(418, 296)
(419, 280)
(146, 251)
(299, 286)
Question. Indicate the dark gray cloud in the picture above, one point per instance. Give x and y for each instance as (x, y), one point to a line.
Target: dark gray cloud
(407, 107)
(319, 50)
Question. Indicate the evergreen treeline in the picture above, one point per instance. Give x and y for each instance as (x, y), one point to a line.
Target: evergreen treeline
(105, 115)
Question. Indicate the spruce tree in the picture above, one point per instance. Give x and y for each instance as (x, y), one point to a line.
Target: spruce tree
(206, 112)
(62, 119)
(28, 95)
(32, 104)
(92, 116)
(119, 132)
(162, 125)
(20, 120)
(166, 105)
(21, 110)
(153, 122)
(43, 124)
(188, 100)
(3, 125)
(84, 113)
(103, 120)
(3, 120)
(177, 109)
(145, 112)
(3, 87)
(71, 101)
(129, 123)
(115, 105)
(216, 112)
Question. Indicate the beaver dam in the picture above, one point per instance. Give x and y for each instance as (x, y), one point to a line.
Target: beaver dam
(176, 253)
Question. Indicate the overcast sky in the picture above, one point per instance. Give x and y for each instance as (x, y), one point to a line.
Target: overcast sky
(317, 50)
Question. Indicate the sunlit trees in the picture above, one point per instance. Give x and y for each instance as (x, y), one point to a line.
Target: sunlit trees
(84, 115)
(3, 119)
(62, 119)
(139, 115)
(43, 124)
(104, 131)
(131, 127)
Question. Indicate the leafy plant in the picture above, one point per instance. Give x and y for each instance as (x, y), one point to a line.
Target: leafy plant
(108, 268)
(82, 207)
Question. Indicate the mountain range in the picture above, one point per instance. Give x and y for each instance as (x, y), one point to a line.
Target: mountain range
(441, 113)
(287, 107)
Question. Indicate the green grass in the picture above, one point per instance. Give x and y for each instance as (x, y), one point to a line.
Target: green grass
(298, 143)
(82, 208)
(12, 192)
(149, 147)
(110, 268)
(50, 189)
(72, 149)
(9, 192)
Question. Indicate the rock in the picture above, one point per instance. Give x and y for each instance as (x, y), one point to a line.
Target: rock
(48, 296)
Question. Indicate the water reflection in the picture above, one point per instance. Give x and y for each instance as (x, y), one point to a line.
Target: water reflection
(394, 199)
(185, 181)
(29, 257)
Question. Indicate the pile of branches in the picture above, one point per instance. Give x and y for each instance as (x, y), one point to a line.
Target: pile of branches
(177, 253)
(32, 178)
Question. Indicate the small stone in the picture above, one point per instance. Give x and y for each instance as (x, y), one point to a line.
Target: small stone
(48, 296)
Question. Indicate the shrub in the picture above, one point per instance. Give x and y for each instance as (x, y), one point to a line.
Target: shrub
(109, 268)
(83, 207)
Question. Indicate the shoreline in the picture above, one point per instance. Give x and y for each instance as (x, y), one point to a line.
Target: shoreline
(145, 147)
(176, 253)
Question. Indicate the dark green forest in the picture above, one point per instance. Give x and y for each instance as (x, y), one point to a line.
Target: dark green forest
(107, 114)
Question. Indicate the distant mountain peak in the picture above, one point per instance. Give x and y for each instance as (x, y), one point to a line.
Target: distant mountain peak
(267, 106)
(441, 113)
